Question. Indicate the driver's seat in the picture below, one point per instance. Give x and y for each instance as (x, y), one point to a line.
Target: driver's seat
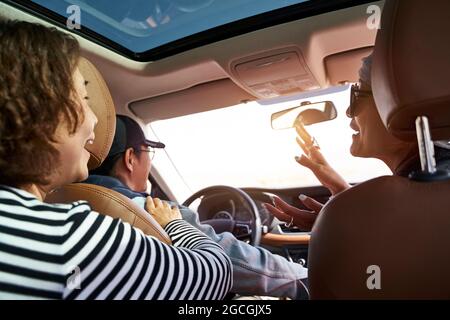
(103, 200)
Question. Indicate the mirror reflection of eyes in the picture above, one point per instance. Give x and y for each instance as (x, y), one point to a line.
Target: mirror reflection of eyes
(307, 114)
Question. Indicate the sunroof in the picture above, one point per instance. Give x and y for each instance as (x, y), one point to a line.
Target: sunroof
(142, 25)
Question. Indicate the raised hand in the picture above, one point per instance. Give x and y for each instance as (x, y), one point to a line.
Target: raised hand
(316, 162)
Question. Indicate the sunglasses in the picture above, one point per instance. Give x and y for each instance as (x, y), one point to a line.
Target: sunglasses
(355, 93)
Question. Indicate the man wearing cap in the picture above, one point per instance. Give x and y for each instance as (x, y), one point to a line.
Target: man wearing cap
(256, 271)
(134, 151)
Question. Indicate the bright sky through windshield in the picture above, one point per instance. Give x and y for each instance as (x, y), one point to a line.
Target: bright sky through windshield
(236, 146)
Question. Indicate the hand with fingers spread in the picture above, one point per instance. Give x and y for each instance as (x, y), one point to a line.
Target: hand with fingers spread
(162, 211)
(303, 219)
(316, 162)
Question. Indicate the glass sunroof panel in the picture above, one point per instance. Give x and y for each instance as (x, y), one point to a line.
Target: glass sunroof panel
(141, 25)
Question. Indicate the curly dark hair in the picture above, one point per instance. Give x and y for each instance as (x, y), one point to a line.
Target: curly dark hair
(36, 96)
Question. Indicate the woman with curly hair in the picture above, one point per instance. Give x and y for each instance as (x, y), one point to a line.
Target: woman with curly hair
(45, 125)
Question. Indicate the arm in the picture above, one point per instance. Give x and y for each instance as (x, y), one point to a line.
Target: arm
(330, 178)
(256, 271)
(117, 261)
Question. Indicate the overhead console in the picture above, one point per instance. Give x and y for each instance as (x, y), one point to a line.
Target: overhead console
(274, 73)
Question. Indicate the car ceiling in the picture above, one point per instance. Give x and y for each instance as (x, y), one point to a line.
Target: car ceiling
(329, 46)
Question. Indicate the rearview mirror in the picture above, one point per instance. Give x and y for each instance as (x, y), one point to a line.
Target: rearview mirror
(307, 113)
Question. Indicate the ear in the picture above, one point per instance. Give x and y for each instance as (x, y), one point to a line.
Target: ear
(129, 159)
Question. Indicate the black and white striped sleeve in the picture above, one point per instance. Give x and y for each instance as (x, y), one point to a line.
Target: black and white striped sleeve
(116, 261)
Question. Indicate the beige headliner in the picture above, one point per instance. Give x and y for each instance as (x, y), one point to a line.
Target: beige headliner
(317, 37)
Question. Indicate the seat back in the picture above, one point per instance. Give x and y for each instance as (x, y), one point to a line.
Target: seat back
(103, 200)
(392, 223)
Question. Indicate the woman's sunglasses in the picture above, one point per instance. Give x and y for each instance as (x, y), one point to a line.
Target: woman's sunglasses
(355, 93)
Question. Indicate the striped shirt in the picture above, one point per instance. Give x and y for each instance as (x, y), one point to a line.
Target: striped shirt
(68, 251)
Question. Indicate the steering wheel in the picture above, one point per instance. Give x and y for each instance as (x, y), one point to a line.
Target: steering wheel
(253, 226)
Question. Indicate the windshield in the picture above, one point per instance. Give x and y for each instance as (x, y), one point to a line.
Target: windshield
(236, 145)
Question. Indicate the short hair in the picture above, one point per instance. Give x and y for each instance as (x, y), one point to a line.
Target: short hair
(107, 168)
(36, 96)
(365, 73)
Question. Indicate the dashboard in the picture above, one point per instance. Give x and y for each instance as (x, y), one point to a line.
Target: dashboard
(226, 206)
(227, 211)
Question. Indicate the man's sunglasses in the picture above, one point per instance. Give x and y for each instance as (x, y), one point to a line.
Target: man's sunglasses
(355, 93)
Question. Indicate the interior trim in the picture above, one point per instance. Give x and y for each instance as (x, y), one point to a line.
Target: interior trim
(279, 240)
